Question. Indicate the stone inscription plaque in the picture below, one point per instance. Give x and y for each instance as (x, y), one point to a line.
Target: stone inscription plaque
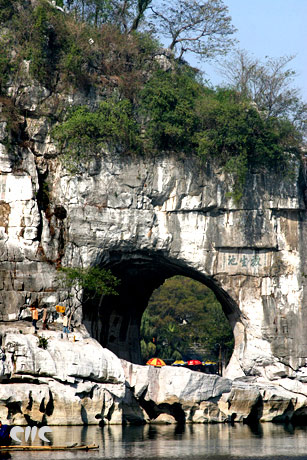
(244, 261)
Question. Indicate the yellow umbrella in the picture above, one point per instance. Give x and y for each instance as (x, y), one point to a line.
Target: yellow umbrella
(208, 362)
(179, 362)
(157, 362)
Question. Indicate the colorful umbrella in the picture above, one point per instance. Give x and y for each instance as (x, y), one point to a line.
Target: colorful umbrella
(207, 363)
(179, 362)
(194, 362)
(157, 362)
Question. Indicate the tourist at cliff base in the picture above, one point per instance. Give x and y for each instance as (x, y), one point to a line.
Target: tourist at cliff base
(65, 324)
(34, 317)
(45, 325)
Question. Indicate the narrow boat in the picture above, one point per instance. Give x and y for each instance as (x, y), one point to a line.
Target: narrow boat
(48, 448)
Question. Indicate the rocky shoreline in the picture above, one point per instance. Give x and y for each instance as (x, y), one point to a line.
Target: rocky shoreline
(75, 381)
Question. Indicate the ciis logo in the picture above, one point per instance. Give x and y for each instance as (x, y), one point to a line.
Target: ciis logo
(30, 431)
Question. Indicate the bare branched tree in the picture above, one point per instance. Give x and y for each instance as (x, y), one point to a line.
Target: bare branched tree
(203, 28)
(269, 84)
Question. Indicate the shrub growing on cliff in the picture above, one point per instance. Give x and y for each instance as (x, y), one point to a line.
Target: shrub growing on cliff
(178, 113)
(183, 115)
(86, 133)
(43, 342)
(60, 47)
(236, 135)
(6, 10)
(4, 69)
(168, 103)
(38, 39)
(86, 283)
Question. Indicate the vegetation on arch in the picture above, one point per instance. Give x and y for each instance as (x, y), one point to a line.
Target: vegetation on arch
(110, 47)
(268, 83)
(86, 133)
(176, 112)
(61, 47)
(78, 40)
(203, 28)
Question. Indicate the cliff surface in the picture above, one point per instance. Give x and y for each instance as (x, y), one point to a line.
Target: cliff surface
(74, 381)
(148, 218)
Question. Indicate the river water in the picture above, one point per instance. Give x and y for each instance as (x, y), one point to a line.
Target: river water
(195, 442)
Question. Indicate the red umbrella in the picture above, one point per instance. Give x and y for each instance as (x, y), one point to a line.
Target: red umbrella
(194, 362)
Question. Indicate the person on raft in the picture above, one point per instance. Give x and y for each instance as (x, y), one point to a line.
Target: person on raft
(5, 438)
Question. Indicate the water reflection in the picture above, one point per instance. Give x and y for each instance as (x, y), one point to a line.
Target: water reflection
(166, 442)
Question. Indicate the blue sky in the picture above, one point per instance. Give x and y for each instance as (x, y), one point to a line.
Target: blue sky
(271, 28)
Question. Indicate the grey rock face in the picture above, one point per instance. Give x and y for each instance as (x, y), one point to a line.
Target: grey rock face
(79, 382)
(68, 383)
(174, 385)
(181, 393)
(149, 218)
(83, 359)
(194, 397)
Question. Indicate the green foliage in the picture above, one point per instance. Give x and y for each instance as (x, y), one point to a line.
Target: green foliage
(179, 114)
(181, 315)
(125, 60)
(36, 33)
(86, 133)
(37, 37)
(76, 55)
(4, 69)
(43, 342)
(146, 110)
(148, 350)
(183, 115)
(58, 43)
(88, 282)
(73, 63)
(6, 10)
(39, 49)
(238, 137)
(168, 102)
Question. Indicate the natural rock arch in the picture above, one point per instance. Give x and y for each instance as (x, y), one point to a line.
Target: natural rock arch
(174, 213)
(115, 321)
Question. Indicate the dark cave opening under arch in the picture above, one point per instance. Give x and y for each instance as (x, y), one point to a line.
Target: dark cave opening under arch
(115, 320)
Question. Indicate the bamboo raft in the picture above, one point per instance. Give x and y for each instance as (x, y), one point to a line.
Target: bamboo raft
(48, 448)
